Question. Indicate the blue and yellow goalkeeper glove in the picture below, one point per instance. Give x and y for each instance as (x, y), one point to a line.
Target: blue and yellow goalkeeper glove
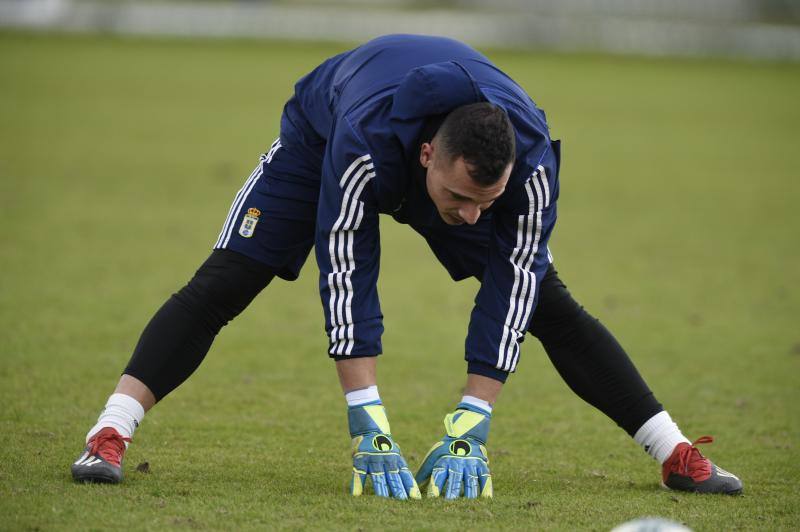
(459, 461)
(376, 454)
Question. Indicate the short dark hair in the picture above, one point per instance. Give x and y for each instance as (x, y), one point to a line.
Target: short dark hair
(482, 134)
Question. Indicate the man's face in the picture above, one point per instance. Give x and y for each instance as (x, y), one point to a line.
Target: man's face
(457, 197)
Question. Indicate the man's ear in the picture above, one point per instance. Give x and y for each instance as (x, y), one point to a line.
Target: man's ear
(426, 154)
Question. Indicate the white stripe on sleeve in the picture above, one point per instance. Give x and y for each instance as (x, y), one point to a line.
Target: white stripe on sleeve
(523, 290)
(340, 249)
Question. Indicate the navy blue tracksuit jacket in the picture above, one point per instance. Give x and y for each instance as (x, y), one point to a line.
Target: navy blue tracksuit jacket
(360, 117)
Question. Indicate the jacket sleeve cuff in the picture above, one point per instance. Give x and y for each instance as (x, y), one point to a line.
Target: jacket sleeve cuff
(337, 358)
(479, 368)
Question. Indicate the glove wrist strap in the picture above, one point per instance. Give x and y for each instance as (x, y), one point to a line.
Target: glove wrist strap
(366, 418)
(468, 421)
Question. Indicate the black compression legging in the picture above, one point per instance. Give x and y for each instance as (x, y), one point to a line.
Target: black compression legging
(589, 358)
(586, 355)
(180, 334)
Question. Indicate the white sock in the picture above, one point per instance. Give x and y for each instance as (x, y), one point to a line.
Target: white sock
(659, 436)
(362, 396)
(476, 402)
(122, 412)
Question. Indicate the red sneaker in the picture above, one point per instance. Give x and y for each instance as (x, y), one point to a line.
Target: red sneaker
(101, 461)
(688, 470)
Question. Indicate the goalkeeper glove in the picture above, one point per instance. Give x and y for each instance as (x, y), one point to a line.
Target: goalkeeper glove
(376, 454)
(459, 459)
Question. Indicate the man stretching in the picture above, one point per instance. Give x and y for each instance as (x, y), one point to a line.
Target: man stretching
(430, 132)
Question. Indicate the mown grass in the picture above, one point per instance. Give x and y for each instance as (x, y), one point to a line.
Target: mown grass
(678, 227)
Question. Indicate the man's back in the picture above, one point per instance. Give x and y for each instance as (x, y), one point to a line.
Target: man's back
(378, 66)
(377, 98)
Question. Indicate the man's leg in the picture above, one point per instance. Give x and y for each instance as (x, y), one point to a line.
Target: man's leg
(269, 231)
(597, 369)
(180, 334)
(170, 349)
(589, 358)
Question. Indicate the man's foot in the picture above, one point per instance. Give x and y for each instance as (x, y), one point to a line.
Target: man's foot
(101, 461)
(688, 470)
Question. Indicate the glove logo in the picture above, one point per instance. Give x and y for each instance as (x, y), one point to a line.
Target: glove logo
(460, 448)
(381, 442)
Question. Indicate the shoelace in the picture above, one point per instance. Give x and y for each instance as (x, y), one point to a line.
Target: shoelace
(690, 459)
(109, 445)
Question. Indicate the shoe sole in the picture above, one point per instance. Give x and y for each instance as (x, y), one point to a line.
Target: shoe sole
(96, 476)
(95, 480)
(732, 492)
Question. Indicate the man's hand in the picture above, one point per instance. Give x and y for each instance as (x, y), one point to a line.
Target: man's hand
(375, 454)
(459, 461)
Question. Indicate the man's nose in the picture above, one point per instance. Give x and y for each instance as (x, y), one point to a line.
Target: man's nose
(470, 213)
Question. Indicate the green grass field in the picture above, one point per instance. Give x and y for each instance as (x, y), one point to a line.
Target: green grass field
(678, 227)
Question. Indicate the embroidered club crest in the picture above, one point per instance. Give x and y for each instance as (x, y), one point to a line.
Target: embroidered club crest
(249, 222)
